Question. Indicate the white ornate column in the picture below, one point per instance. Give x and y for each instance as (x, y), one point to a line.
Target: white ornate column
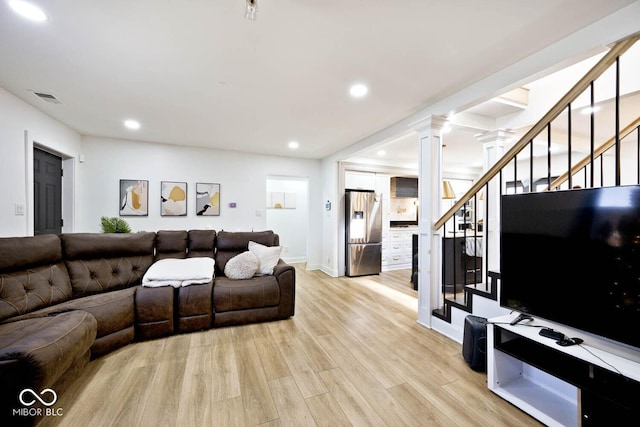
(492, 150)
(430, 194)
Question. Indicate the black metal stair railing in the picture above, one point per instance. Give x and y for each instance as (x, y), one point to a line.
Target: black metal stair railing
(471, 274)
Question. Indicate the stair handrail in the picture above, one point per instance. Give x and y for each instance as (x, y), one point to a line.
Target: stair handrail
(596, 153)
(596, 71)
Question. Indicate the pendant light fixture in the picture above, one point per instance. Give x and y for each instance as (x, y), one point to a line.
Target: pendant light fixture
(447, 190)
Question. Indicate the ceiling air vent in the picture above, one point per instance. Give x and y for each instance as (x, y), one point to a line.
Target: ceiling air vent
(47, 97)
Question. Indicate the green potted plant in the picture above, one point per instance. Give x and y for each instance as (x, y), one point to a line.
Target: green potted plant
(114, 225)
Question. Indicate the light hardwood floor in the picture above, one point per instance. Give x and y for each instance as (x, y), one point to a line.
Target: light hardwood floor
(352, 355)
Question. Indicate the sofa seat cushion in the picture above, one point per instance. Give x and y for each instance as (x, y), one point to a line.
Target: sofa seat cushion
(44, 348)
(257, 292)
(114, 312)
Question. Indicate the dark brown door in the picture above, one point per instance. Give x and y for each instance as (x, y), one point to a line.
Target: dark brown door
(47, 193)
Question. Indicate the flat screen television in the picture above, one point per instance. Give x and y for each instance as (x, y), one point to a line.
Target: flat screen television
(573, 257)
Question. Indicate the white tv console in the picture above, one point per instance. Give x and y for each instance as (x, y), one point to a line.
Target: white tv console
(560, 386)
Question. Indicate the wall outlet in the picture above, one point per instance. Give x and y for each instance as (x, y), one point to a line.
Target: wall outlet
(19, 209)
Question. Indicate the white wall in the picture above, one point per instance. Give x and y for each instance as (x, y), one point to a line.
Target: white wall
(242, 178)
(91, 188)
(22, 125)
(330, 218)
(292, 224)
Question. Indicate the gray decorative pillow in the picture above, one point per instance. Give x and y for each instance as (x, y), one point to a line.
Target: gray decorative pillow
(242, 266)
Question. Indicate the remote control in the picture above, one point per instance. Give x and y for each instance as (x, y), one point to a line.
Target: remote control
(550, 333)
(565, 342)
(520, 318)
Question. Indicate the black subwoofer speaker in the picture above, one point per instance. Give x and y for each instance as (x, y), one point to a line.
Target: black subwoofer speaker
(474, 342)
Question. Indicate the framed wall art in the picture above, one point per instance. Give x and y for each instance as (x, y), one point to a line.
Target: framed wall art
(134, 197)
(281, 200)
(207, 199)
(173, 198)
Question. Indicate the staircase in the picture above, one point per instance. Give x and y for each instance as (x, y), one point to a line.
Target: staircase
(607, 164)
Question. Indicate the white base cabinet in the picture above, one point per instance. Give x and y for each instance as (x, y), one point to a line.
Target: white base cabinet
(560, 386)
(396, 248)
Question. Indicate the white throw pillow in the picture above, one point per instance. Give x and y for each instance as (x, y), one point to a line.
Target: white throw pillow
(242, 266)
(268, 256)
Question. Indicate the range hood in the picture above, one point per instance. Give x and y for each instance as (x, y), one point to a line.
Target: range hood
(404, 187)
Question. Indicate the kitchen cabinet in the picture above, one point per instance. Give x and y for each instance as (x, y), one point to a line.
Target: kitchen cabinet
(404, 187)
(396, 248)
(356, 180)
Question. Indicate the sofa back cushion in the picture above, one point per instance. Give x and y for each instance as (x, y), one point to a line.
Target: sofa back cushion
(103, 262)
(202, 243)
(230, 244)
(32, 274)
(171, 244)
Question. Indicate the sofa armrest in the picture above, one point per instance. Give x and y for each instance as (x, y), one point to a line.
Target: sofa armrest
(285, 274)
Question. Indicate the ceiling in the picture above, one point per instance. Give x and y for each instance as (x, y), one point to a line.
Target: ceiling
(198, 73)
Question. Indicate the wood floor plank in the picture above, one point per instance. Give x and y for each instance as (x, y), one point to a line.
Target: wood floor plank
(301, 368)
(355, 407)
(273, 362)
(290, 403)
(257, 401)
(224, 373)
(352, 355)
(227, 413)
(326, 411)
(420, 408)
(490, 411)
(376, 395)
(197, 388)
(159, 410)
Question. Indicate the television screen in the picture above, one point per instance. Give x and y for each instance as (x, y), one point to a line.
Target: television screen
(573, 257)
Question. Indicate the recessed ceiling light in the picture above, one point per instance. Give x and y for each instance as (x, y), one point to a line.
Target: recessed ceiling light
(381, 153)
(132, 124)
(358, 90)
(27, 10)
(293, 145)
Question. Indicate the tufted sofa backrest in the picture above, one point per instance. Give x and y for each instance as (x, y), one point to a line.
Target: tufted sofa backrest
(171, 244)
(202, 243)
(230, 244)
(32, 274)
(101, 262)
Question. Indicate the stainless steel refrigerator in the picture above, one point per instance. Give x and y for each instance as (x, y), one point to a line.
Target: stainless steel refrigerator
(363, 226)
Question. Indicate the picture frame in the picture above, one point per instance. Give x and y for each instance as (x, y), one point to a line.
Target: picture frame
(173, 198)
(134, 197)
(281, 200)
(207, 199)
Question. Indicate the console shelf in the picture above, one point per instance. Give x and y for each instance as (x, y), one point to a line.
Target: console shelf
(560, 386)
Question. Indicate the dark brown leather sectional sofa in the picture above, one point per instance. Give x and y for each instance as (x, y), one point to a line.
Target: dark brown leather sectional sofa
(65, 299)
